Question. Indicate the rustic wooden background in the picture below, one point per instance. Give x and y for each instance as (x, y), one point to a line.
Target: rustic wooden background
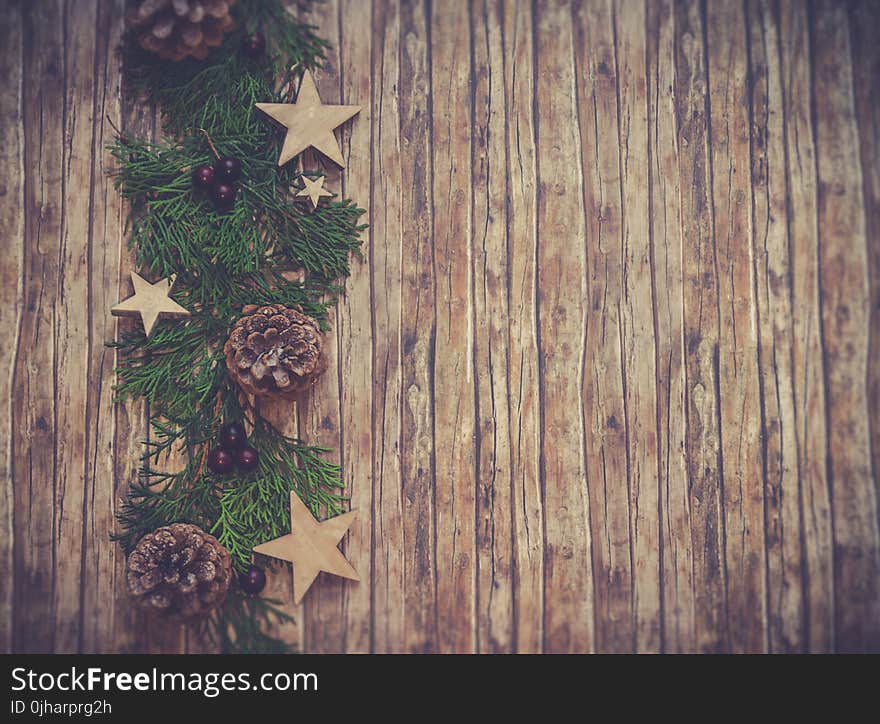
(606, 378)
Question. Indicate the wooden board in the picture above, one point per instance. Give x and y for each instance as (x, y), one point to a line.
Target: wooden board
(605, 377)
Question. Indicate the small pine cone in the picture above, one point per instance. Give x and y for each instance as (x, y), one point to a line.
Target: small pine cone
(274, 351)
(179, 572)
(175, 29)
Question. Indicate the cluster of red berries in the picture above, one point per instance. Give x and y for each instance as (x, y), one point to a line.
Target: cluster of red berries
(234, 451)
(219, 181)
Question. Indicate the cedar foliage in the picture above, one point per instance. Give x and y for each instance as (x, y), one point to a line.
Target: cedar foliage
(223, 261)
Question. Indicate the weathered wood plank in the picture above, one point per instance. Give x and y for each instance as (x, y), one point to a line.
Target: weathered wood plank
(418, 334)
(773, 268)
(453, 354)
(701, 332)
(495, 564)
(637, 325)
(678, 602)
(33, 419)
(740, 393)
(604, 375)
(323, 627)
(101, 555)
(785, 613)
(522, 374)
(562, 320)
(12, 228)
(386, 265)
(355, 320)
(72, 326)
(864, 23)
(808, 367)
(845, 302)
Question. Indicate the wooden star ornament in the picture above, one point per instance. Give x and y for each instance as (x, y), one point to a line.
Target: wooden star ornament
(314, 189)
(150, 301)
(311, 547)
(309, 123)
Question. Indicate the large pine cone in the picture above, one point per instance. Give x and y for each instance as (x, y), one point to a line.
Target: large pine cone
(175, 29)
(179, 571)
(274, 351)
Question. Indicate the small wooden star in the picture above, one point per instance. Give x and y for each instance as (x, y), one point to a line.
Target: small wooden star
(311, 547)
(309, 123)
(150, 301)
(314, 189)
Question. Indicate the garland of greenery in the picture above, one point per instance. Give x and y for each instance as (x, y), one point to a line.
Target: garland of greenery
(223, 262)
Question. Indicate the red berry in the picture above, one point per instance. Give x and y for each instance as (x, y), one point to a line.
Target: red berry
(224, 196)
(246, 458)
(227, 169)
(232, 436)
(220, 461)
(253, 580)
(203, 177)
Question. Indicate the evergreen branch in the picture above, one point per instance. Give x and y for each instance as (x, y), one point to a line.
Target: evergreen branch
(241, 627)
(212, 93)
(223, 261)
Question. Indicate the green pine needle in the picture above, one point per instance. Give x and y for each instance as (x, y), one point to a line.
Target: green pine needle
(222, 263)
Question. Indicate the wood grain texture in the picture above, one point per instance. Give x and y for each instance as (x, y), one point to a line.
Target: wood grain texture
(385, 254)
(866, 66)
(773, 266)
(355, 323)
(845, 311)
(562, 328)
(605, 377)
(453, 354)
(677, 603)
(323, 625)
(808, 362)
(12, 220)
(700, 311)
(491, 269)
(740, 404)
(522, 373)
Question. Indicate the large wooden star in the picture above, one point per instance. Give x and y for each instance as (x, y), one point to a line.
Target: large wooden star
(309, 123)
(311, 547)
(150, 301)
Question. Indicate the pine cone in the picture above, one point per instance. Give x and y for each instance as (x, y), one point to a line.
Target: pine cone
(174, 29)
(274, 351)
(179, 572)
